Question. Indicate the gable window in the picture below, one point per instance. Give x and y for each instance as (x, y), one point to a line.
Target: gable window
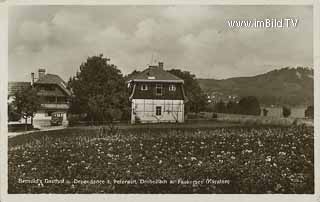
(158, 89)
(144, 87)
(172, 87)
(158, 110)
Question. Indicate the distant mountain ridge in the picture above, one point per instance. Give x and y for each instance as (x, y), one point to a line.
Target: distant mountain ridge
(286, 86)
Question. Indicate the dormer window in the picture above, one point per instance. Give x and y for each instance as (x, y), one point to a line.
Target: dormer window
(172, 87)
(158, 89)
(144, 87)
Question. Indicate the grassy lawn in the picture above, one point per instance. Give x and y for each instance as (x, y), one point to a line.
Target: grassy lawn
(248, 160)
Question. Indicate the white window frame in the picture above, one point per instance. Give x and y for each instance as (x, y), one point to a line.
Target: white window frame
(144, 87)
(159, 86)
(172, 87)
(158, 114)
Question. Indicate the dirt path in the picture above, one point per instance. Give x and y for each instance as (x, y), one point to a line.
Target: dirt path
(14, 134)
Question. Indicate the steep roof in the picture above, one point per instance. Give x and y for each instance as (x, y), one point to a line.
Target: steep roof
(154, 73)
(14, 86)
(53, 79)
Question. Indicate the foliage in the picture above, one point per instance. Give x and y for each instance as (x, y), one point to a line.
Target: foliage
(286, 111)
(220, 107)
(249, 105)
(13, 114)
(196, 98)
(214, 116)
(99, 90)
(26, 103)
(232, 107)
(265, 112)
(309, 112)
(256, 160)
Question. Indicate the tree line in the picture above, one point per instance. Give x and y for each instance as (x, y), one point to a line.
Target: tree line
(249, 105)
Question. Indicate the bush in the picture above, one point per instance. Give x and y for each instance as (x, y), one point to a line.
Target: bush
(232, 107)
(265, 112)
(286, 111)
(75, 119)
(309, 112)
(214, 116)
(13, 115)
(249, 106)
(220, 107)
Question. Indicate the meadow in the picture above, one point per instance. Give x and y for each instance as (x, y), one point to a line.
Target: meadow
(268, 159)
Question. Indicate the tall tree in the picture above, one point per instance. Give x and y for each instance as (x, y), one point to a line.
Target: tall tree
(27, 103)
(197, 100)
(99, 90)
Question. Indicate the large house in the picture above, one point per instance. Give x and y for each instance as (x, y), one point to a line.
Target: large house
(54, 97)
(53, 94)
(156, 96)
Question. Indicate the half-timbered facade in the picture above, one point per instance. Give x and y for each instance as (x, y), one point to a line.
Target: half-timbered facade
(156, 96)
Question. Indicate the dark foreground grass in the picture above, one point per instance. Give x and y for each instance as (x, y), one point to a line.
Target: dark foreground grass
(216, 160)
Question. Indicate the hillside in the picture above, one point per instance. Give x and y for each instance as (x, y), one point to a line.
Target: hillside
(289, 86)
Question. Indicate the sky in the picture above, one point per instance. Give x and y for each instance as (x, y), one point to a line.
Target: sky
(192, 38)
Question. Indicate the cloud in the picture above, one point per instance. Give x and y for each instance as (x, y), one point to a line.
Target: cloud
(194, 38)
(31, 31)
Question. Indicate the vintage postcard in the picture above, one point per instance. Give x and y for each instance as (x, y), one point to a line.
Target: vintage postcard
(193, 101)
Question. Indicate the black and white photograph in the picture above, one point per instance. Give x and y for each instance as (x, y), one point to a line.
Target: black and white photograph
(161, 99)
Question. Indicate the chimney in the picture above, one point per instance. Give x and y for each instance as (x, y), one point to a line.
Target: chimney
(41, 73)
(161, 65)
(32, 78)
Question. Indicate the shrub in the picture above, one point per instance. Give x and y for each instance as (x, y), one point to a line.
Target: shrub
(265, 112)
(214, 116)
(309, 112)
(286, 111)
(249, 105)
(220, 107)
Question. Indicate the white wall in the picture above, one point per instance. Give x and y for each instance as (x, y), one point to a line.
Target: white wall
(296, 112)
(145, 110)
(42, 120)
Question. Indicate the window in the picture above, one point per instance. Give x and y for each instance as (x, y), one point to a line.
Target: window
(158, 110)
(158, 89)
(144, 87)
(172, 87)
